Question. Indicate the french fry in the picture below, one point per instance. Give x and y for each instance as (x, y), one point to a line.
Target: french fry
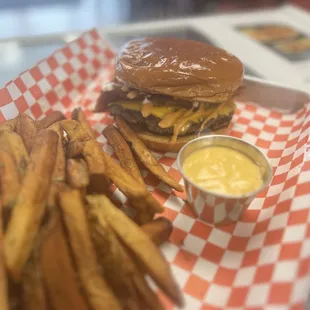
(49, 120)
(158, 230)
(59, 276)
(33, 291)
(75, 149)
(117, 267)
(117, 260)
(147, 296)
(9, 125)
(77, 173)
(123, 152)
(142, 247)
(27, 129)
(78, 115)
(9, 185)
(99, 294)
(100, 163)
(30, 204)
(4, 304)
(145, 156)
(90, 150)
(13, 144)
(9, 180)
(59, 173)
(139, 196)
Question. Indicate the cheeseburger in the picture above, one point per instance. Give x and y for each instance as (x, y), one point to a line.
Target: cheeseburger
(171, 90)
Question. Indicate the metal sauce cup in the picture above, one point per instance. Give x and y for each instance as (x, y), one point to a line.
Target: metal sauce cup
(216, 208)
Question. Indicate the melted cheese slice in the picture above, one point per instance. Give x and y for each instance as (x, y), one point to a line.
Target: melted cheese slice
(178, 117)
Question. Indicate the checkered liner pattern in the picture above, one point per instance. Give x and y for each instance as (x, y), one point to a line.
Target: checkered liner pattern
(262, 261)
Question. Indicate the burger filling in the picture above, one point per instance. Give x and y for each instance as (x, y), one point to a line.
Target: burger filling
(164, 115)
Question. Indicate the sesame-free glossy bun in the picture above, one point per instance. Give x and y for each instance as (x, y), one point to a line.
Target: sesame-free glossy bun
(185, 69)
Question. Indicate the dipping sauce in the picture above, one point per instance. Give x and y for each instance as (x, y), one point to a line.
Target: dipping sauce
(223, 170)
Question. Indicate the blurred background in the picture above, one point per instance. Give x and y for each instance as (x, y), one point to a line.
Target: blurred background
(31, 30)
(33, 17)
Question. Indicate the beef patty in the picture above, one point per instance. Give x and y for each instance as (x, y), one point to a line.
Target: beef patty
(150, 123)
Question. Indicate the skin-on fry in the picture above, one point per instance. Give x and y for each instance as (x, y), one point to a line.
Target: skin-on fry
(145, 156)
(9, 185)
(50, 119)
(142, 247)
(78, 115)
(27, 129)
(30, 204)
(99, 294)
(96, 159)
(59, 173)
(9, 125)
(147, 296)
(158, 230)
(116, 264)
(75, 149)
(123, 152)
(13, 143)
(4, 305)
(131, 187)
(33, 292)
(89, 148)
(120, 262)
(101, 163)
(9, 179)
(57, 269)
(77, 173)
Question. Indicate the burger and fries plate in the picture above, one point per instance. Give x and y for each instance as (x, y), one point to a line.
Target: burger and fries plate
(67, 242)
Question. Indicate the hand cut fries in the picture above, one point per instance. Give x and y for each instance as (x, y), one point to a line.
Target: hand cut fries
(9, 179)
(64, 248)
(33, 292)
(78, 115)
(94, 157)
(77, 173)
(50, 119)
(158, 230)
(30, 204)
(141, 246)
(145, 155)
(110, 249)
(59, 173)
(58, 273)
(13, 144)
(27, 129)
(4, 303)
(123, 152)
(89, 149)
(99, 293)
(9, 125)
(111, 253)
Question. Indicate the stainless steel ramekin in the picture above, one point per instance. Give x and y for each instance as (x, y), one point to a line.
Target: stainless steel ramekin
(212, 207)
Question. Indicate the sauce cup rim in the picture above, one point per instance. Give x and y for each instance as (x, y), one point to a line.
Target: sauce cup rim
(220, 195)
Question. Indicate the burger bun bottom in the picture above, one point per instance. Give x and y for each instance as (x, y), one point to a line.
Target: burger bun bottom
(164, 143)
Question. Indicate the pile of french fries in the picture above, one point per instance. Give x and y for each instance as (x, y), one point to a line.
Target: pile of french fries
(64, 244)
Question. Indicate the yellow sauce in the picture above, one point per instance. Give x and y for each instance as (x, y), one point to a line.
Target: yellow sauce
(223, 170)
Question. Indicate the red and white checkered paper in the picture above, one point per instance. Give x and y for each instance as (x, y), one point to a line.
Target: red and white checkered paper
(262, 261)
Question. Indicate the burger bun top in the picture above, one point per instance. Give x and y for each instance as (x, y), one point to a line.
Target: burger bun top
(185, 69)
